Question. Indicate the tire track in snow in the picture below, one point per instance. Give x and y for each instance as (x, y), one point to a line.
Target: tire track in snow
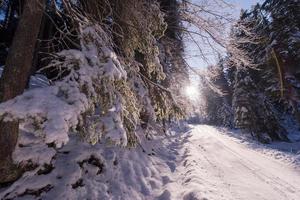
(285, 189)
(247, 163)
(211, 165)
(263, 177)
(253, 171)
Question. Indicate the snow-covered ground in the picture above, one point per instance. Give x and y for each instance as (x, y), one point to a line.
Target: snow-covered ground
(202, 163)
(214, 165)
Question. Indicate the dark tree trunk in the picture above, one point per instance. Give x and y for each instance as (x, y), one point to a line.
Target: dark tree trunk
(14, 79)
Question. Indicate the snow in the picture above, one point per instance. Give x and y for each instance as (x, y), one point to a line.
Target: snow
(32, 149)
(51, 112)
(83, 171)
(203, 162)
(214, 165)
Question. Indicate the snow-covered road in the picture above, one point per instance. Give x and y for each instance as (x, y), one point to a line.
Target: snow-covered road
(211, 165)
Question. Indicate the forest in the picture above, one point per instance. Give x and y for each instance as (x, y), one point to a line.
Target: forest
(256, 85)
(98, 100)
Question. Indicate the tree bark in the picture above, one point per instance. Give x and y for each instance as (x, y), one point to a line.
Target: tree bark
(14, 79)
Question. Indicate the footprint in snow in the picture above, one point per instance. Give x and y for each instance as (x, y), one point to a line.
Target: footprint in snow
(166, 195)
(172, 166)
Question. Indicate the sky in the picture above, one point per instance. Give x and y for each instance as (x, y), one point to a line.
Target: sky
(246, 3)
(194, 60)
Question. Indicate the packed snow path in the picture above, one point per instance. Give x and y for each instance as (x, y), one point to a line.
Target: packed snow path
(212, 165)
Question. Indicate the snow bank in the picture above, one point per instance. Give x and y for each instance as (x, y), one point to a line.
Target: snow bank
(80, 170)
(286, 152)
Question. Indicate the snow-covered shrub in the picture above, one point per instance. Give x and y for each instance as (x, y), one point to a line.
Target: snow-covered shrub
(147, 25)
(97, 92)
(90, 98)
(107, 87)
(103, 92)
(141, 28)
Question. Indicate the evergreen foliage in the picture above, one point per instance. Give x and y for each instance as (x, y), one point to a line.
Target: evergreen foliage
(113, 67)
(262, 64)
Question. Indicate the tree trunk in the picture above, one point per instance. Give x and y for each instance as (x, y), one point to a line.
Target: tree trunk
(14, 79)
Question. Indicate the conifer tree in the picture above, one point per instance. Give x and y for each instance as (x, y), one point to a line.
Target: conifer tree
(252, 107)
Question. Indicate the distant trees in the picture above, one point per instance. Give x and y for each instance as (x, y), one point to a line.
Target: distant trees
(261, 68)
(216, 96)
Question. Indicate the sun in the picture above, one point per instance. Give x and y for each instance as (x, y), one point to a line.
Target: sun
(192, 92)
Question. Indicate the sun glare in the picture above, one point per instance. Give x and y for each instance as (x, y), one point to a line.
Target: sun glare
(192, 92)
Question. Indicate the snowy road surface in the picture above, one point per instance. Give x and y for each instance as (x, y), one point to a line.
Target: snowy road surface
(212, 165)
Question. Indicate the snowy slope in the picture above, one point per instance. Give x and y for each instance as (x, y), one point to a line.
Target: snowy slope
(202, 163)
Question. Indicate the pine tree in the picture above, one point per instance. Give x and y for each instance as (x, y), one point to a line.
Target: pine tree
(253, 111)
(252, 107)
(285, 44)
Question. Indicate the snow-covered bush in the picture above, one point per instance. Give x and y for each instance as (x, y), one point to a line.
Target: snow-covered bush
(102, 91)
(140, 35)
(88, 99)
